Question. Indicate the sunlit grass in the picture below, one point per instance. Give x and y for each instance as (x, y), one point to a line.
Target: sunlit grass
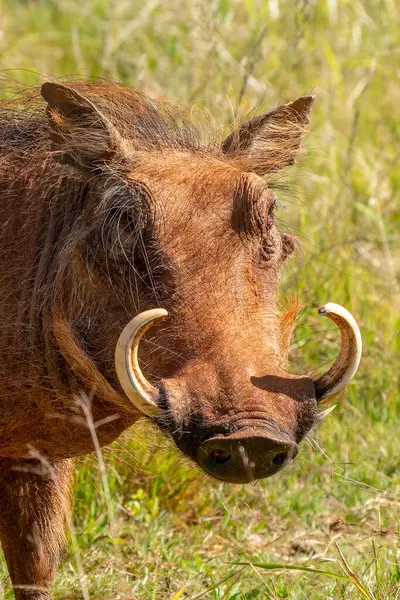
(175, 532)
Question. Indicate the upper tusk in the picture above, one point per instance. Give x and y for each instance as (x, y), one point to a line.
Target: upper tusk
(140, 391)
(346, 364)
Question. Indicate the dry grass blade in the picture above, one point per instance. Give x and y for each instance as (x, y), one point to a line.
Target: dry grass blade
(352, 576)
(216, 585)
(179, 593)
(283, 567)
(349, 577)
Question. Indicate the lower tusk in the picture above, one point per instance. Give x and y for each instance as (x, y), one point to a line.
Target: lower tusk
(321, 416)
(346, 364)
(138, 389)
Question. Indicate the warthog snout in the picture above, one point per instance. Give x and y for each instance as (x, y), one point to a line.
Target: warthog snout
(237, 426)
(245, 456)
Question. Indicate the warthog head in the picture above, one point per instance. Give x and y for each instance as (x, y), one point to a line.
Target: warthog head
(183, 233)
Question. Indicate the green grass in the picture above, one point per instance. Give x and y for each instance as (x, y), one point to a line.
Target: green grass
(173, 532)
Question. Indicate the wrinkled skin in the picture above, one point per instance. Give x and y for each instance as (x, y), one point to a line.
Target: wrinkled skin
(111, 225)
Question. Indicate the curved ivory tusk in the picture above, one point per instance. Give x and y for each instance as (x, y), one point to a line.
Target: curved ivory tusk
(140, 391)
(346, 364)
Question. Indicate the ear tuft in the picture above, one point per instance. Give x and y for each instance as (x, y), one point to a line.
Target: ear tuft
(302, 107)
(270, 142)
(81, 134)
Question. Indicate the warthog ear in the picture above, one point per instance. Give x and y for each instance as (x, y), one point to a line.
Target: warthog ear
(81, 134)
(270, 142)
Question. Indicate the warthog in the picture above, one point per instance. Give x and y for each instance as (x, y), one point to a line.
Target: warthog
(115, 210)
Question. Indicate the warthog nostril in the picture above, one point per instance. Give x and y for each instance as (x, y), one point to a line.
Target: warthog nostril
(279, 459)
(245, 456)
(220, 456)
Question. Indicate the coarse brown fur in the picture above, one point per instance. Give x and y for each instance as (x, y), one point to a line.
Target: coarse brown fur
(111, 204)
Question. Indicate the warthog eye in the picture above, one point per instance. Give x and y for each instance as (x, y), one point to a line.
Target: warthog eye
(270, 217)
(268, 242)
(267, 252)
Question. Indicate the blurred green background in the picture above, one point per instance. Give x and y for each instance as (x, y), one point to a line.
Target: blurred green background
(166, 531)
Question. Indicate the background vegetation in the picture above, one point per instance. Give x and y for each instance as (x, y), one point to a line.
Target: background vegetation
(164, 531)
